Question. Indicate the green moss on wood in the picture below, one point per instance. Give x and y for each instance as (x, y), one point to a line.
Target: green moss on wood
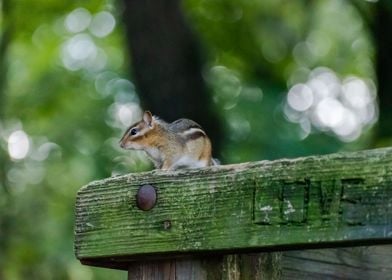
(251, 206)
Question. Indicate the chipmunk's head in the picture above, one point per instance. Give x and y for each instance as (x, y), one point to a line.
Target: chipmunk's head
(139, 135)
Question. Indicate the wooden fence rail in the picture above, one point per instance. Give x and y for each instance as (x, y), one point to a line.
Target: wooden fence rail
(156, 217)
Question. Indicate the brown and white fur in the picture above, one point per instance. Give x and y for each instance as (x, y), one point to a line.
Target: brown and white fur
(180, 144)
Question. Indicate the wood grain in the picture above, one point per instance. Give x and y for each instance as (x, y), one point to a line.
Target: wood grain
(320, 201)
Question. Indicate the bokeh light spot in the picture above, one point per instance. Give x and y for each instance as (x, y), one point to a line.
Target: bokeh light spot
(18, 145)
(330, 112)
(78, 20)
(332, 105)
(300, 97)
(81, 52)
(102, 24)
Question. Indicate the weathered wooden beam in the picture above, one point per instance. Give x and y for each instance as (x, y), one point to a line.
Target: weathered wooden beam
(365, 262)
(319, 201)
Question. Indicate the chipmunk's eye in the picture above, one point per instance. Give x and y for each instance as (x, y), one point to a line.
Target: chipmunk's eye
(133, 131)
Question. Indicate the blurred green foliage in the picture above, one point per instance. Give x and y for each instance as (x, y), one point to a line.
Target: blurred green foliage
(264, 48)
(68, 92)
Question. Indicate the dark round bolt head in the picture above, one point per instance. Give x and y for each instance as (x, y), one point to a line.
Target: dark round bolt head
(146, 197)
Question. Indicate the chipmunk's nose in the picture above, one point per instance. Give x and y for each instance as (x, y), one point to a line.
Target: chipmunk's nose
(121, 144)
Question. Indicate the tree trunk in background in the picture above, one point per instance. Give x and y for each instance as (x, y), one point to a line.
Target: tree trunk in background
(383, 43)
(167, 64)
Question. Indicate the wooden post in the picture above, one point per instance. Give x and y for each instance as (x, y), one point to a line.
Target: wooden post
(197, 224)
(226, 267)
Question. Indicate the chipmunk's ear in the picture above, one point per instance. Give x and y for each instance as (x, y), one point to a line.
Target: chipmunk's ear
(147, 118)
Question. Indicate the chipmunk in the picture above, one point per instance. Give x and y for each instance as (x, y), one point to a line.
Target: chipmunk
(180, 144)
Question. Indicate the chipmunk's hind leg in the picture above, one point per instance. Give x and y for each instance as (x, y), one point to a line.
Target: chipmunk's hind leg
(187, 162)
